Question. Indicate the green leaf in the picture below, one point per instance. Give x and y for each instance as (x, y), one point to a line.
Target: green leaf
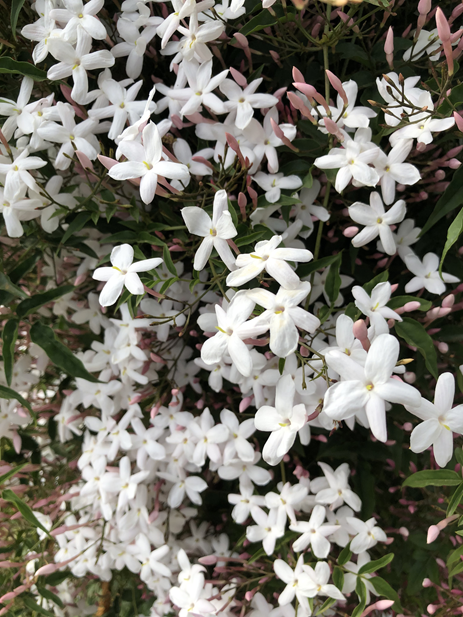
(10, 334)
(49, 595)
(25, 510)
(456, 569)
(29, 602)
(76, 225)
(455, 500)
(373, 566)
(316, 265)
(168, 260)
(58, 353)
(338, 577)
(259, 22)
(8, 286)
(450, 200)
(361, 592)
(333, 280)
(383, 588)
(9, 474)
(26, 307)
(250, 239)
(399, 301)
(454, 556)
(344, 555)
(381, 278)
(16, 6)
(281, 365)
(453, 233)
(8, 393)
(325, 606)
(24, 267)
(433, 477)
(8, 65)
(415, 335)
(459, 455)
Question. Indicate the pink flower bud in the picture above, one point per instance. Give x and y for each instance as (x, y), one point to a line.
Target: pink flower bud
(427, 582)
(424, 6)
(279, 133)
(360, 330)
(306, 89)
(443, 347)
(404, 532)
(389, 47)
(409, 307)
(443, 27)
(208, 560)
(454, 164)
(448, 301)
(242, 40)
(337, 85)
(433, 533)
(431, 608)
(297, 75)
(350, 232)
(245, 404)
(410, 377)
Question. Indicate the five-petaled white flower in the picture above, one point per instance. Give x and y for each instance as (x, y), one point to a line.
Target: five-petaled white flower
(440, 421)
(215, 231)
(122, 272)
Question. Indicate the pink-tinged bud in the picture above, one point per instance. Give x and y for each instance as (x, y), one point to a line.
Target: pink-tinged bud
(431, 608)
(381, 605)
(394, 287)
(250, 594)
(238, 77)
(409, 307)
(306, 89)
(298, 104)
(242, 40)
(404, 532)
(333, 128)
(410, 377)
(427, 582)
(279, 133)
(443, 29)
(297, 75)
(453, 164)
(360, 330)
(433, 533)
(457, 11)
(242, 202)
(106, 161)
(389, 47)
(424, 6)
(245, 404)
(442, 312)
(231, 141)
(350, 232)
(337, 85)
(408, 426)
(208, 560)
(448, 301)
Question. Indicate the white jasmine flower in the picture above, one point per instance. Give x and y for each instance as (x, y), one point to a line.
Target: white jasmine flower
(427, 274)
(122, 273)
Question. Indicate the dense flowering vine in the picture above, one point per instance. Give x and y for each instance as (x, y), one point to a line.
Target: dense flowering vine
(195, 419)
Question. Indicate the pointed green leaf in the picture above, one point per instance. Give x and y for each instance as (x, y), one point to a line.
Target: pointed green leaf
(8, 393)
(373, 566)
(333, 280)
(416, 336)
(453, 233)
(433, 477)
(455, 500)
(8, 65)
(76, 225)
(58, 353)
(9, 287)
(9, 474)
(26, 307)
(9, 335)
(25, 510)
(168, 260)
(16, 6)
